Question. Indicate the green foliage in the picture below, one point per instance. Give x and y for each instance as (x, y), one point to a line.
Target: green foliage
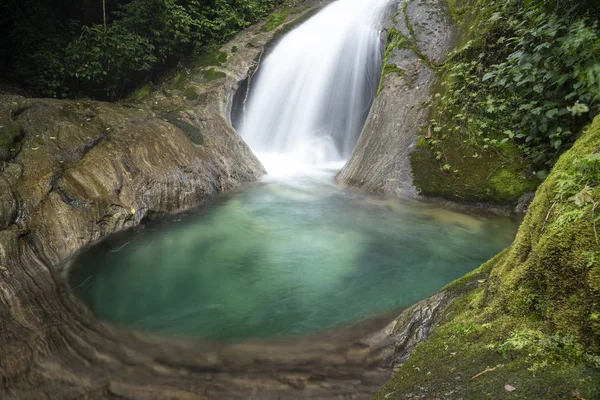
(528, 72)
(105, 62)
(552, 79)
(61, 49)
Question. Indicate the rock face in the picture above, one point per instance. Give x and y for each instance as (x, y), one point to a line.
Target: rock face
(420, 37)
(73, 180)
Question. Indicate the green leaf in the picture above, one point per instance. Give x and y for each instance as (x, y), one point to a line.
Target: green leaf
(488, 76)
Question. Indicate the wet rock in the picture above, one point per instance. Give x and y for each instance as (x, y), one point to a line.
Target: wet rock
(88, 113)
(524, 202)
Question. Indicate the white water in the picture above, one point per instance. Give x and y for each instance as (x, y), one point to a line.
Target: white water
(312, 94)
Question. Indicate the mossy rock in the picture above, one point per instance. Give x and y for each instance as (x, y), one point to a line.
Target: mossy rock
(274, 21)
(468, 343)
(470, 174)
(190, 93)
(10, 137)
(215, 58)
(212, 74)
(293, 24)
(529, 318)
(179, 82)
(552, 270)
(141, 94)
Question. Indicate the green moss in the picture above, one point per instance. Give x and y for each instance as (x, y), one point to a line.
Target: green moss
(179, 82)
(141, 94)
(407, 20)
(468, 137)
(530, 317)
(9, 140)
(508, 184)
(389, 69)
(475, 175)
(396, 40)
(468, 344)
(176, 118)
(190, 93)
(422, 143)
(549, 272)
(274, 21)
(214, 58)
(211, 74)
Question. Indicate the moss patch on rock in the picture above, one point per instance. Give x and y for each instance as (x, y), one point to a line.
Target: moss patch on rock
(179, 81)
(455, 170)
(190, 93)
(215, 58)
(530, 317)
(141, 94)
(211, 74)
(276, 19)
(10, 136)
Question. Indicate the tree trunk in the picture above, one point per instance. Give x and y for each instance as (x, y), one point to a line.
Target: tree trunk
(104, 14)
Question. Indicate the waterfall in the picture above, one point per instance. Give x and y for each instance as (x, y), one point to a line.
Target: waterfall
(312, 93)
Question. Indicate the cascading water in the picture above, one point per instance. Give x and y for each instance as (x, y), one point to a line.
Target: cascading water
(314, 91)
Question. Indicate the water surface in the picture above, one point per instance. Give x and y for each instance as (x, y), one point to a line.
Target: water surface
(283, 257)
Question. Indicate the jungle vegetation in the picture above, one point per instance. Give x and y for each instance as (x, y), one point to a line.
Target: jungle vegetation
(105, 48)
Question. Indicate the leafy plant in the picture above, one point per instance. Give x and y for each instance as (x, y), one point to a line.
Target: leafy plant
(528, 72)
(100, 61)
(62, 48)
